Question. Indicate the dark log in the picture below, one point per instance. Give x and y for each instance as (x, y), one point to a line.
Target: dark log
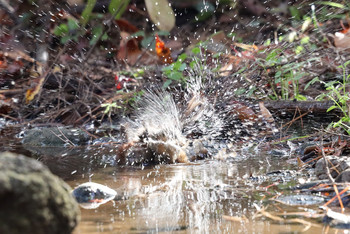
(289, 107)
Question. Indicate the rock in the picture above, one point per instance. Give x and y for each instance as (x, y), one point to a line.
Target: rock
(55, 136)
(91, 195)
(344, 176)
(335, 165)
(300, 200)
(336, 219)
(32, 199)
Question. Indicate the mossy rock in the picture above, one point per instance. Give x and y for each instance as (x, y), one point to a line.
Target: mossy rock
(32, 199)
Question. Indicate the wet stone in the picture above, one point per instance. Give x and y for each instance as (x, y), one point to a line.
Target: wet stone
(300, 200)
(335, 165)
(91, 195)
(32, 199)
(55, 136)
(344, 176)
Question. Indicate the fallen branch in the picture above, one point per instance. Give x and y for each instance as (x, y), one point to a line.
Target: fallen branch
(289, 106)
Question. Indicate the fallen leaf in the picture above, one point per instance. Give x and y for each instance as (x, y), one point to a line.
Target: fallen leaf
(247, 47)
(129, 49)
(163, 52)
(36, 87)
(244, 113)
(265, 113)
(126, 26)
(5, 106)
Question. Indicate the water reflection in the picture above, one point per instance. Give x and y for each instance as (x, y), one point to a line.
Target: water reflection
(183, 198)
(186, 198)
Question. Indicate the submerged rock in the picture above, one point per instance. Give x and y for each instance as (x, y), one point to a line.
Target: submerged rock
(55, 136)
(300, 200)
(32, 199)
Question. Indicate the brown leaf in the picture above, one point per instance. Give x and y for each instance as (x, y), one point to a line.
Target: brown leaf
(32, 92)
(130, 53)
(244, 113)
(265, 113)
(5, 106)
(126, 26)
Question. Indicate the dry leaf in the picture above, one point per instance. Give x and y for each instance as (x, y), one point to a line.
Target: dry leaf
(163, 52)
(32, 92)
(265, 113)
(244, 113)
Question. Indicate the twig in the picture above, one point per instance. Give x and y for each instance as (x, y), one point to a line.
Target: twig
(330, 177)
(66, 140)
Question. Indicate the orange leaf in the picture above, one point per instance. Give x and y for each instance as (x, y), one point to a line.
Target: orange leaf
(163, 52)
(247, 47)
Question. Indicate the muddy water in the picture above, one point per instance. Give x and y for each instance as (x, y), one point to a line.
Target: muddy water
(181, 198)
(186, 198)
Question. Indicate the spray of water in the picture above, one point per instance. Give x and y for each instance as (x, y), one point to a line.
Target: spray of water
(166, 128)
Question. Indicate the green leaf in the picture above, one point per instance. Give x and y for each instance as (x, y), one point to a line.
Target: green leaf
(300, 97)
(295, 12)
(161, 14)
(278, 74)
(61, 30)
(96, 32)
(148, 42)
(346, 63)
(332, 4)
(138, 34)
(167, 83)
(196, 50)
(298, 76)
(182, 57)
(87, 12)
(331, 108)
(272, 56)
(72, 24)
(314, 80)
(193, 64)
(267, 42)
(205, 9)
(162, 33)
(240, 91)
(305, 40)
(65, 39)
(117, 7)
(182, 67)
(175, 75)
(299, 49)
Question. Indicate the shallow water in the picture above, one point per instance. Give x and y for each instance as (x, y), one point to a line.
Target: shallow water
(181, 198)
(186, 198)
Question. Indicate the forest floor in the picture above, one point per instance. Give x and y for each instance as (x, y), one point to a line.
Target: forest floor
(274, 60)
